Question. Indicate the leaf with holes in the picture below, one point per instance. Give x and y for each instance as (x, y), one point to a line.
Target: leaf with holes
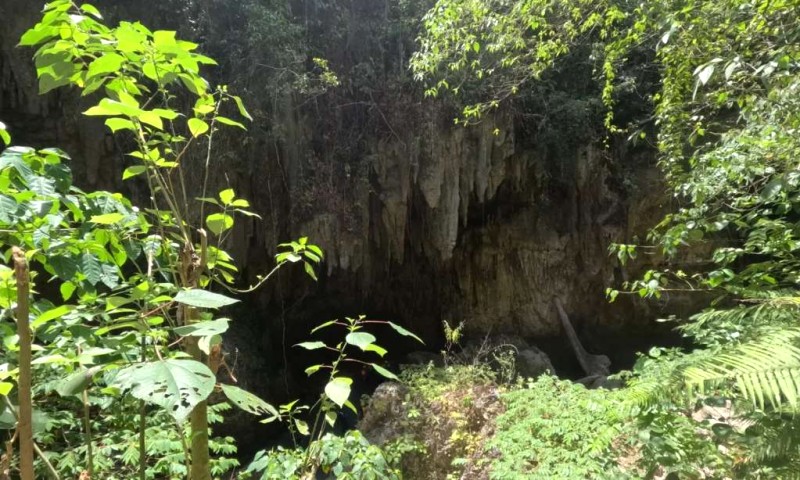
(247, 401)
(176, 385)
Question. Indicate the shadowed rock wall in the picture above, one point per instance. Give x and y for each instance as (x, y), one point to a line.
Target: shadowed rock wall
(421, 220)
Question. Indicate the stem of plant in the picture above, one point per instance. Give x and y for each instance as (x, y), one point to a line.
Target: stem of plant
(87, 425)
(24, 422)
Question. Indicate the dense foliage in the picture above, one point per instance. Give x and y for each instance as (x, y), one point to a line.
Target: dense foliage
(120, 330)
(725, 122)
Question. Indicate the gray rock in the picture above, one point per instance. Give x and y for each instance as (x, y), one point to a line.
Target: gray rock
(532, 362)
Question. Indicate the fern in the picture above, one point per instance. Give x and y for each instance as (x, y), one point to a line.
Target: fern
(765, 371)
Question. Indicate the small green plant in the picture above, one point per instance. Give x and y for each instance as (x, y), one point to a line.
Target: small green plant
(336, 396)
(452, 340)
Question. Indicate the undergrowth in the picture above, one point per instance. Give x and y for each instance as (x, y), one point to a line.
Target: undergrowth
(554, 428)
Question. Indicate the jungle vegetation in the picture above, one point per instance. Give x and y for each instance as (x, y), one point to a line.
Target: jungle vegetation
(109, 310)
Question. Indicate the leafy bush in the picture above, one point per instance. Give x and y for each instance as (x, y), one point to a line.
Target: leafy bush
(558, 429)
(347, 457)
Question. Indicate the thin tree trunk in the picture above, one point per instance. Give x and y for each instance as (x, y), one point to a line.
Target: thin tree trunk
(24, 422)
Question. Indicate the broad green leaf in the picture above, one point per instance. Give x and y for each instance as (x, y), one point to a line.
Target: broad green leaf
(110, 108)
(51, 314)
(404, 332)
(117, 123)
(90, 266)
(219, 222)
(338, 390)
(200, 329)
(38, 34)
(313, 369)
(176, 385)
(227, 196)
(247, 401)
(197, 127)
(311, 345)
(107, 63)
(152, 119)
(91, 10)
(302, 427)
(360, 339)
(5, 389)
(375, 348)
(196, 297)
(107, 218)
(133, 171)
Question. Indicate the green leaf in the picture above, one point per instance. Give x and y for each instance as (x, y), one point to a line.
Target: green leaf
(402, 331)
(116, 124)
(77, 382)
(107, 63)
(196, 297)
(90, 266)
(152, 119)
(5, 389)
(360, 339)
(311, 345)
(133, 171)
(302, 427)
(338, 390)
(375, 348)
(242, 111)
(228, 121)
(4, 136)
(247, 401)
(107, 218)
(197, 127)
(200, 329)
(219, 222)
(52, 314)
(227, 196)
(312, 369)
(38, 34)
(91, 10)
(323, 325)
(176, 385)
(384, 372)
(310, 271)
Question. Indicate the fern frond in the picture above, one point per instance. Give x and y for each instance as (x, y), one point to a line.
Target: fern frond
(765, 371)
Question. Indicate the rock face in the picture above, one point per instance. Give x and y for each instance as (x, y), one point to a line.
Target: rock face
(421, 220)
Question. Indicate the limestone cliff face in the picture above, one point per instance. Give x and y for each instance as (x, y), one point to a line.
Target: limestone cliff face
(421, 220)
